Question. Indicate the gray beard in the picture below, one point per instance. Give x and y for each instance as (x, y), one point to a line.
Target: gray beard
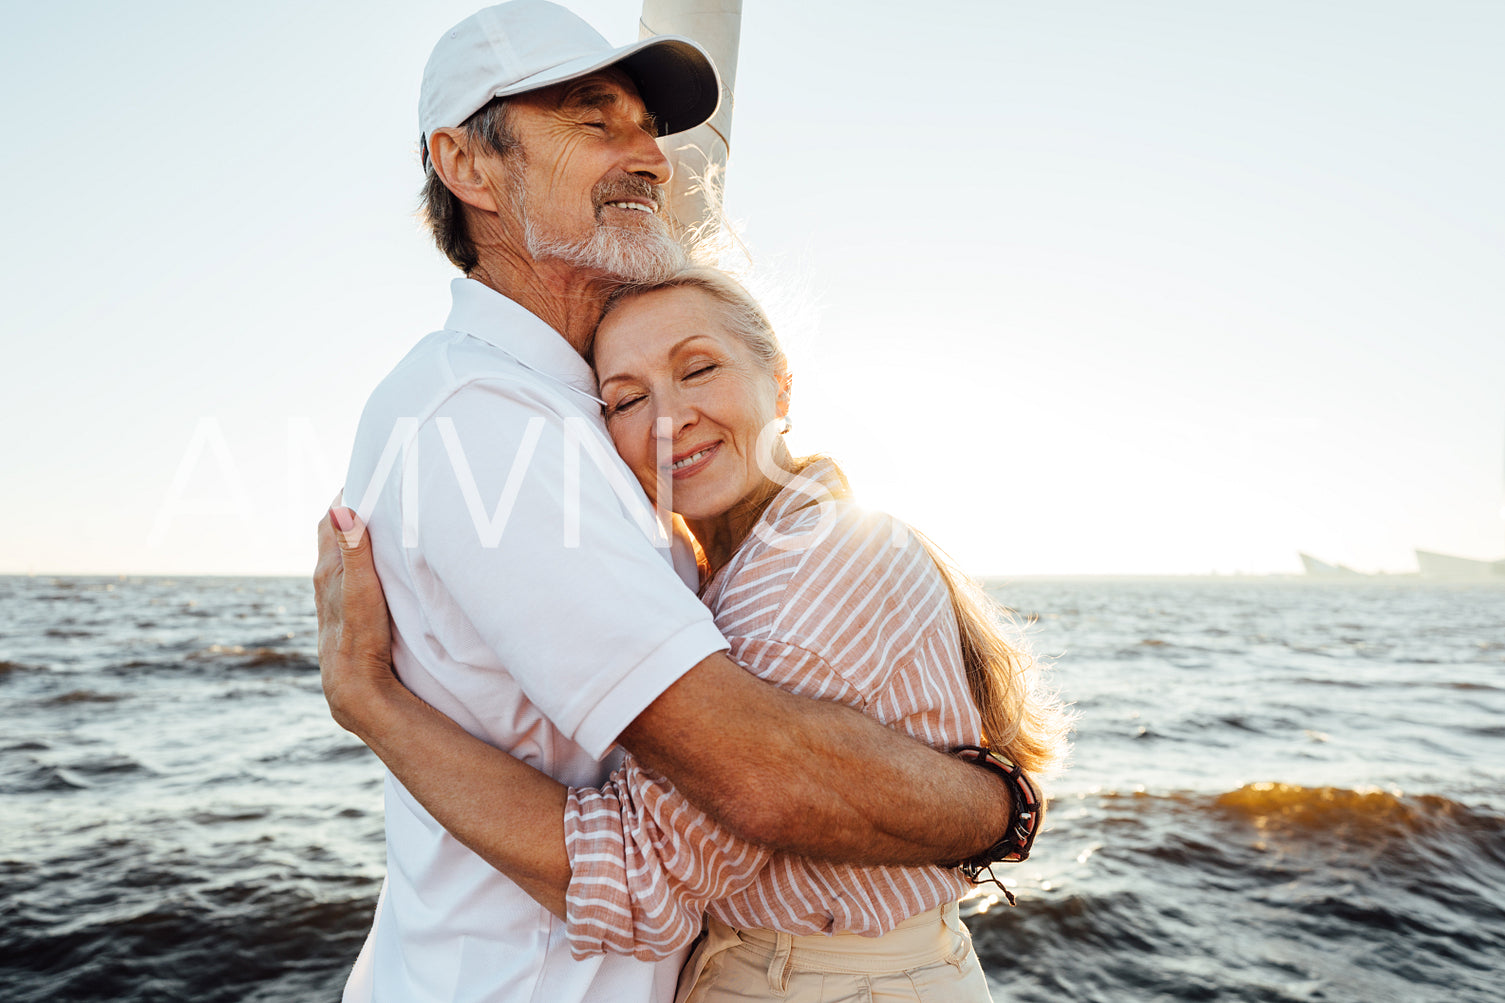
(634, 257)
(630, 256)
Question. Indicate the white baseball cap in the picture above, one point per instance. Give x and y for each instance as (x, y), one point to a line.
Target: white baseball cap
(521, 46)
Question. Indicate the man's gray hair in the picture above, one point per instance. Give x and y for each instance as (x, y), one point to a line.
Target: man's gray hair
(440, 208)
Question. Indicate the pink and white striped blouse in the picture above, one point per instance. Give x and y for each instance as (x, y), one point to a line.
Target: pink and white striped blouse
(827, 600)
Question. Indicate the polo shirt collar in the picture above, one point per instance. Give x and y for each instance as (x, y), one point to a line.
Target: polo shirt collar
(484, 313)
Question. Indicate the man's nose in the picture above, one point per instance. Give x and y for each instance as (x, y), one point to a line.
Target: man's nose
(646, 160)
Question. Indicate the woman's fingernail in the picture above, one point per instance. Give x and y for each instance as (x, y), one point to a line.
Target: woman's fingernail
(343, 519)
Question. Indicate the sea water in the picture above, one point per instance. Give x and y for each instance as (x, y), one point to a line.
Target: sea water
(1279, 790)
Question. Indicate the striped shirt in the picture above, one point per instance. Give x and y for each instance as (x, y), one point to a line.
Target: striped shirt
(827, 600)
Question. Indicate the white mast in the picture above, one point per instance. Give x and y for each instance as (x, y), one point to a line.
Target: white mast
(699, 156)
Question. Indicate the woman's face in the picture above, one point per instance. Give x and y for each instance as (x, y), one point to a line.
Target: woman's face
(667, 354)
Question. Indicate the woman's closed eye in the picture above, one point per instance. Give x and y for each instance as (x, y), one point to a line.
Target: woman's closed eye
(625, 403)
(701, 369)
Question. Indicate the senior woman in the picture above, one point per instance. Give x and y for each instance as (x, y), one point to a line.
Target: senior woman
(814, 594)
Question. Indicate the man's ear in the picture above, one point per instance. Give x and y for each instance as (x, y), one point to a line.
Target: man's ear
(786, 389)
(457, 163)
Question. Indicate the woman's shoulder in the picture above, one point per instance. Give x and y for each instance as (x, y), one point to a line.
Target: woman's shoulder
(824, 551)
(835, 528)
(850, 586)
(845, 542)
(817, 518)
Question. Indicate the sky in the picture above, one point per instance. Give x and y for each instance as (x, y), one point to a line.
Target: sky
(1109, 287)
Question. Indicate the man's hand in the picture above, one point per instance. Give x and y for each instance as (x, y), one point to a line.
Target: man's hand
(355, 635)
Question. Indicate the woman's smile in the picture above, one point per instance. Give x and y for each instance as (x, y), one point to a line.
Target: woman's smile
(693, 462)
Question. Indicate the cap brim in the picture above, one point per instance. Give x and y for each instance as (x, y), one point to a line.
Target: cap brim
(674, 77)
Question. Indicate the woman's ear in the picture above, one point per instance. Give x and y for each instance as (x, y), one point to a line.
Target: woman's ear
(786, 389)
(456, 163)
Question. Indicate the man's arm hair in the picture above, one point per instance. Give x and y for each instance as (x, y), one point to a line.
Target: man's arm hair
(812, 777)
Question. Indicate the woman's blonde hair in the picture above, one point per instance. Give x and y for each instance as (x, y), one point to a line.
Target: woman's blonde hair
(1020, 719)
(744, 317)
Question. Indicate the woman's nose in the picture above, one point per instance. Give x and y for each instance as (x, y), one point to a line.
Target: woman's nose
(675, 417)
(663, 429)
(667, 429)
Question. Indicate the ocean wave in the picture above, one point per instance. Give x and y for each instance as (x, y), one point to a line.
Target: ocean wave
(1397, 855)
(231, 657)
(38, 777)
(242, 657)
(223, 816)
(172, 943)
(1347, 684)
(81, 696)
(1466, 687)
(1249, 724)
(1358, 818)
(8, 669)
(42, 778)
(1359, 815)
(107, 766)
(1318, 893)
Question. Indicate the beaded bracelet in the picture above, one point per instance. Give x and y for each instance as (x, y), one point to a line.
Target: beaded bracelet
(1028, 810)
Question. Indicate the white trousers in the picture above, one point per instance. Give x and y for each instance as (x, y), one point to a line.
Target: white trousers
(926, 959)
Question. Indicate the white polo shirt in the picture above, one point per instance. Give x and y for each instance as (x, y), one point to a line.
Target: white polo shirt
(530, 606)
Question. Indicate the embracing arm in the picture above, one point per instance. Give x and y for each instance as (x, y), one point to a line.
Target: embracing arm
(503, 810)
(803, 776)
(813, 777)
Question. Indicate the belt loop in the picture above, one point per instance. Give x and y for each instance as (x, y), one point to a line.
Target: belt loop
(960, 936)
(778, 965)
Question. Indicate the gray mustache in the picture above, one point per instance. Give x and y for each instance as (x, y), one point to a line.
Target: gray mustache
(628, 188)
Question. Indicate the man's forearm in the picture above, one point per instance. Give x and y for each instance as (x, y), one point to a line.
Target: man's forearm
(815, 778)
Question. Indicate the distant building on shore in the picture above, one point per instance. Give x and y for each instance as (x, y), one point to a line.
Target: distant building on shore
(1321, 569)
(1430, 565)
(1459, 569)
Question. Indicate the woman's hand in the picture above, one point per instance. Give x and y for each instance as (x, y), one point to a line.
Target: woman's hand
(355, 634)
(504, 810)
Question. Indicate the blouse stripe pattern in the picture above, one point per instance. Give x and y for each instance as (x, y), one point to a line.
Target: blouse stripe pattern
(827, 600)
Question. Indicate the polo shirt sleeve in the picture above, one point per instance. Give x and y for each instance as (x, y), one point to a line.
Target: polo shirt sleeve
(525, 523)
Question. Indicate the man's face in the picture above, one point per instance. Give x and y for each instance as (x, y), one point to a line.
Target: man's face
(586, 188)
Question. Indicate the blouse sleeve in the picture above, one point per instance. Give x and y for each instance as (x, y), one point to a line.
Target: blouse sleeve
(645, 862)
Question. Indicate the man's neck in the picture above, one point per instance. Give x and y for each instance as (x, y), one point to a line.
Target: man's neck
(566, 298)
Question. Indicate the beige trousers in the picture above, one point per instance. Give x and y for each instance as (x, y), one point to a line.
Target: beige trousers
(926, 959)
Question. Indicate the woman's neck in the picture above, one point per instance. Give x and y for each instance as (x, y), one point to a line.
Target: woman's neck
(720, 535)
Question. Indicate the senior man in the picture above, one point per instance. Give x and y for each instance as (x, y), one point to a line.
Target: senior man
(544, 187)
